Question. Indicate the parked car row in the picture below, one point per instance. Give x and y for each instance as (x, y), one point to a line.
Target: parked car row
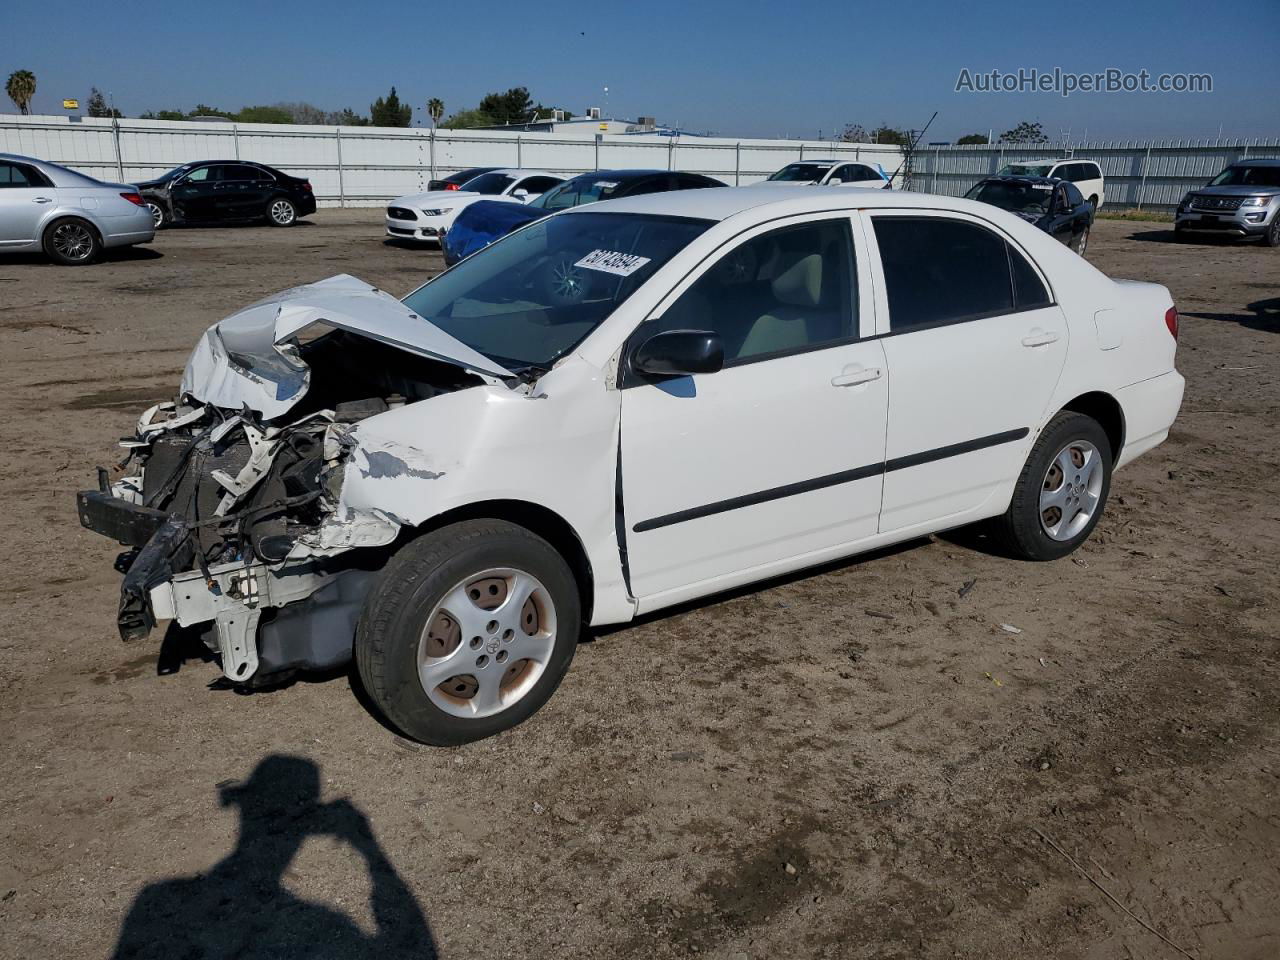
(72, 217)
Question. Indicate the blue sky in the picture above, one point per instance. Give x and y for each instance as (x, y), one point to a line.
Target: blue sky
(741, 68)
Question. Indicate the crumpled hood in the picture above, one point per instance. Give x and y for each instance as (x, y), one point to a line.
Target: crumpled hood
(248, 359)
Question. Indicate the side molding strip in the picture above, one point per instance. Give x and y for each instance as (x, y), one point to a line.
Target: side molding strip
(831, 480)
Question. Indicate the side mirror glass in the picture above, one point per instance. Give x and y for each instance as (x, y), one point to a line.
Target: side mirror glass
(679, 353)
(520, 194)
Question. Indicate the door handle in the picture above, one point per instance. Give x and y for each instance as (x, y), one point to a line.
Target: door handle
(42, 200)
(855, 377)
(1039, 338)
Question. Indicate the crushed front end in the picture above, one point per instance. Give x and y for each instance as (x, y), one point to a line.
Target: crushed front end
(229, 500)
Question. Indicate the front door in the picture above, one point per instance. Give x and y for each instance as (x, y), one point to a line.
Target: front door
(194, 194)
(778, 455)
(975, 346)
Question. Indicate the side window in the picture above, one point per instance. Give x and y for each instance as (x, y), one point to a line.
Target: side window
(1028, 292)
(1062, 171)
(537, 184)
(239, 171)
(203, 174)
(783, 292)
(940, 271)
(685, 181)
(13, 175)
(1089, 171)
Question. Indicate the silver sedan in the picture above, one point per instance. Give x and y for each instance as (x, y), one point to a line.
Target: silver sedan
(69, 216)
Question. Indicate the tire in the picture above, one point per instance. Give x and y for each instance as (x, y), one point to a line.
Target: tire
(422, 615)
(159, 216)
(1082, 244)
(1027, 529)
(72, 242)
(281, 212)
(1272, 237)
(1093, 202)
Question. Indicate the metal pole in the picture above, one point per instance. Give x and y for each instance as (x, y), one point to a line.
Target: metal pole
(235, 138)
(937, 154)
(115, 130)
(737, 163)
(597, 160)
(433, 152)
(342, 189)
(1142, 190)
(671, 149)
(519, 161)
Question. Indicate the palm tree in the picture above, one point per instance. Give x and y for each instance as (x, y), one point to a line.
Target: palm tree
(21, 88)
(435, 107)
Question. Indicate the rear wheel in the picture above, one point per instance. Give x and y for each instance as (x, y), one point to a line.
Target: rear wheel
(1061, 492)
(468, 631)
(281, 212)
(1082, 244)
(72, 242)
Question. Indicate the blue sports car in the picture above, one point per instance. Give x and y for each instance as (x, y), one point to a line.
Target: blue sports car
(485, 221)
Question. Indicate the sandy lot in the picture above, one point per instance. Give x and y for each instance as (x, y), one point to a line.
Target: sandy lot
(929, 777)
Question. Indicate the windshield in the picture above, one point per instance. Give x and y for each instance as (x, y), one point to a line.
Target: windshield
(575, 192)
(1239, 176)
(1014, 197)
(1025, 169)
(169, 175)
(488, 183)
(801, 171)
(530, 298)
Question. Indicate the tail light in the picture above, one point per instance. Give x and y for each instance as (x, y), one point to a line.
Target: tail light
(306, 185)
(452, 186)
(1171, 321)
(135, 199)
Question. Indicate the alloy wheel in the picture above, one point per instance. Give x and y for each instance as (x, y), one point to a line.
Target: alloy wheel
(157, 215)
(282, 212)
(487, 642)
(73, 241)
(1071, 490)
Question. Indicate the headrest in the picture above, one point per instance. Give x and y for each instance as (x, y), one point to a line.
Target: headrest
(800, 285)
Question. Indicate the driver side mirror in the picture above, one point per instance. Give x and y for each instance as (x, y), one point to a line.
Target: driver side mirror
(520, 194)
(679, 353)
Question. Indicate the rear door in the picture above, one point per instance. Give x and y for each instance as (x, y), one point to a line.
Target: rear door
(242, 191)
(974, 345)
(776, 456)
(25, 198)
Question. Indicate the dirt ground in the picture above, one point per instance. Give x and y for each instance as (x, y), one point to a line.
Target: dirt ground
(857, 762)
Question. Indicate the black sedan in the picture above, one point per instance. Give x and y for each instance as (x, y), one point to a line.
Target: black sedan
(455, 180)
(1055, 206)
(225, 190)
(485, 221)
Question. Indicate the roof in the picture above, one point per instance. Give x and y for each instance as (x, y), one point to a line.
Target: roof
(624, 174)
(1259, 162)
(721, 203)
(1022, 178)
(524, 172)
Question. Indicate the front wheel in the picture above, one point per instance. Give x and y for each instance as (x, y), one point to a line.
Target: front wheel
(1082, 242)
(159, 218)
(1272, 237)
(468, 631)
(282, 213)
(72, 242)
(1061, 492)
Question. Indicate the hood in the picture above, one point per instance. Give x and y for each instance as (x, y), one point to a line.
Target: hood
(784, 183)
(1237, 190)
(250, 359)
(432, 197)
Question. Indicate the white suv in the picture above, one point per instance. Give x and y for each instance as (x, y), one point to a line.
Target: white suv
(1085, 174)
(829, 173)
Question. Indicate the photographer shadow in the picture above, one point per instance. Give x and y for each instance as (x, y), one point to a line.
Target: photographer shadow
(240, 908)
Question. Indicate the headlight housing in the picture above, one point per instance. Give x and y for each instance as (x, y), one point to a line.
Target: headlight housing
(438, 212)
(1256, 201)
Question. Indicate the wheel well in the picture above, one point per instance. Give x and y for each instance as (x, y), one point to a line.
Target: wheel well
(537, 519)
(1106, 410)
(71, 216)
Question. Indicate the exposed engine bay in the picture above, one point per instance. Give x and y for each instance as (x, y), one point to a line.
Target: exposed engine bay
(231, 514)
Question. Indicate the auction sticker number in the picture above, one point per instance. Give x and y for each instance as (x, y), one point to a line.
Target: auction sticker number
(610, 261)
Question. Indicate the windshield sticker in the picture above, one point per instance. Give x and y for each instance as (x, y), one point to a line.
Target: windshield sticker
(610, 261)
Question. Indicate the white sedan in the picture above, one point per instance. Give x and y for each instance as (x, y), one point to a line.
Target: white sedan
(428, 216)
(622, 407)
(829, 173)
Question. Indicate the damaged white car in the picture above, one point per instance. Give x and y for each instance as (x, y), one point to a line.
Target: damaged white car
(617, 409)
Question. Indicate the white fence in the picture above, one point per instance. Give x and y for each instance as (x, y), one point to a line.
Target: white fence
(1151, 175)
(366, 166)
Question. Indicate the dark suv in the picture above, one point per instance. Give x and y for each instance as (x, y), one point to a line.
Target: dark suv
(1242, 201)
(225, 190)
